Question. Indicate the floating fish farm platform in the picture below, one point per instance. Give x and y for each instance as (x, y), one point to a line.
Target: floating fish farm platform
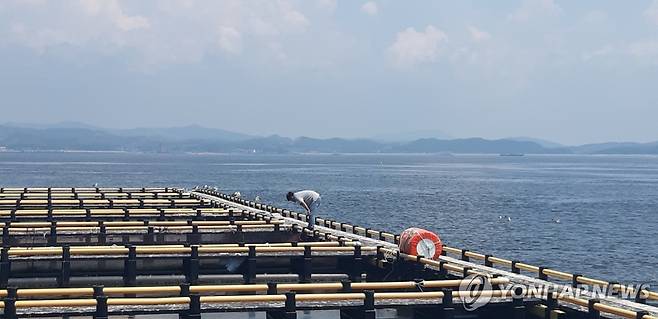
(106, 252)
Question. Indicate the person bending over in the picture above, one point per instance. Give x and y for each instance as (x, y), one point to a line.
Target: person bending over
(309, 200)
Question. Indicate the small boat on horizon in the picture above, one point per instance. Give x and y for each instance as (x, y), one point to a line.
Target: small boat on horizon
(512, 154)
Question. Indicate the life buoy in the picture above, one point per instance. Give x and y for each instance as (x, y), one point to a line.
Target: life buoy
(421, 242)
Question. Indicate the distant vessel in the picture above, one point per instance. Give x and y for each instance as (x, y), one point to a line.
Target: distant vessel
(512, 154)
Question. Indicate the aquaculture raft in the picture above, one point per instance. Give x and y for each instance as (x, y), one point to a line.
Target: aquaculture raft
(128, 251)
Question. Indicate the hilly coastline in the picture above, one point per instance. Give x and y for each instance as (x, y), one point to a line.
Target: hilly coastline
(197, 139)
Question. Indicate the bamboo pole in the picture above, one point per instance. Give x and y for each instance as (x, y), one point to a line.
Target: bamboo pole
(501, 261)
(448, 249)
(107, 250)
(42, 292)
(615, 311)
(485, 293)
(229, 288)
(244, 298)
(163, 250)
(527, 267)
(557, 274)
(475, 255)
(330, 297)
(330, 286)
(573, 300)
(56, 303)
(590, 281)
(175, 249)
(35, 252)
(141, 290)
(147, 301)
(458, 282)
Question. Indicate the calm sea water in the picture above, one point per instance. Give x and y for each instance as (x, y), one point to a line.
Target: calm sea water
(607, 205)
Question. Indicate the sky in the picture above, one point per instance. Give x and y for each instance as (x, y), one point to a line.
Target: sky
(569, 71)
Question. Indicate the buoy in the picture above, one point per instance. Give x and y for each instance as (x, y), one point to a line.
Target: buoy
(421, 242)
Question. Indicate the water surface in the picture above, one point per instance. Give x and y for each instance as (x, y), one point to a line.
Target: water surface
(607, 205)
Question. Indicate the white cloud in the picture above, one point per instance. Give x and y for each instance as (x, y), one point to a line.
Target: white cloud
(296, 19)
(646, 51)
(156, 32)
(370, 8)
(329, 5)
(531, 9)
(112, 10)
(592, 55)
(230, 40)
(595, 17)
(478, 35)
(413, 47)
(652, 12)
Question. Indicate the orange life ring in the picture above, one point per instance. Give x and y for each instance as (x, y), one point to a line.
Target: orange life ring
(421, 242)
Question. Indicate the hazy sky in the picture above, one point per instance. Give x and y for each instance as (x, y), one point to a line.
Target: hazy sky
(569, 71)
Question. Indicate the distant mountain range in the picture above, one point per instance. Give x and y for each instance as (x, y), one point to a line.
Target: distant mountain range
(402, 137)
(82, 137)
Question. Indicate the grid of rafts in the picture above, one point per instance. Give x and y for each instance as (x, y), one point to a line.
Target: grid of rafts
(128, 251)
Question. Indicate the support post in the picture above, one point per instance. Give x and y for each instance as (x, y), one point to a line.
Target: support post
(640, 314)
(52, 238)
(369, 305)
(640, 297)
(515, 269)
(272, 288)
(443, 272)
(10, 303)
(448, 308)
(130, 267)
(592, 312)
(101, 303)
(357, 264)
(185, 289)
(518, 309)
(487, 262)
(574, 280)
(551, 302)
(150, 235)
(6, 239)
(465, 271)
(306, 271)
(250, 269)
(102, 233)
(464, 257)
(290, 306)
(194, 237)
(192, 275)
(195, 306)
(65, 273)
(5, 267)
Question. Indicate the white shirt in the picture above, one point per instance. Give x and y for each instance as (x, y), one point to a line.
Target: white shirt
(307, 197)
